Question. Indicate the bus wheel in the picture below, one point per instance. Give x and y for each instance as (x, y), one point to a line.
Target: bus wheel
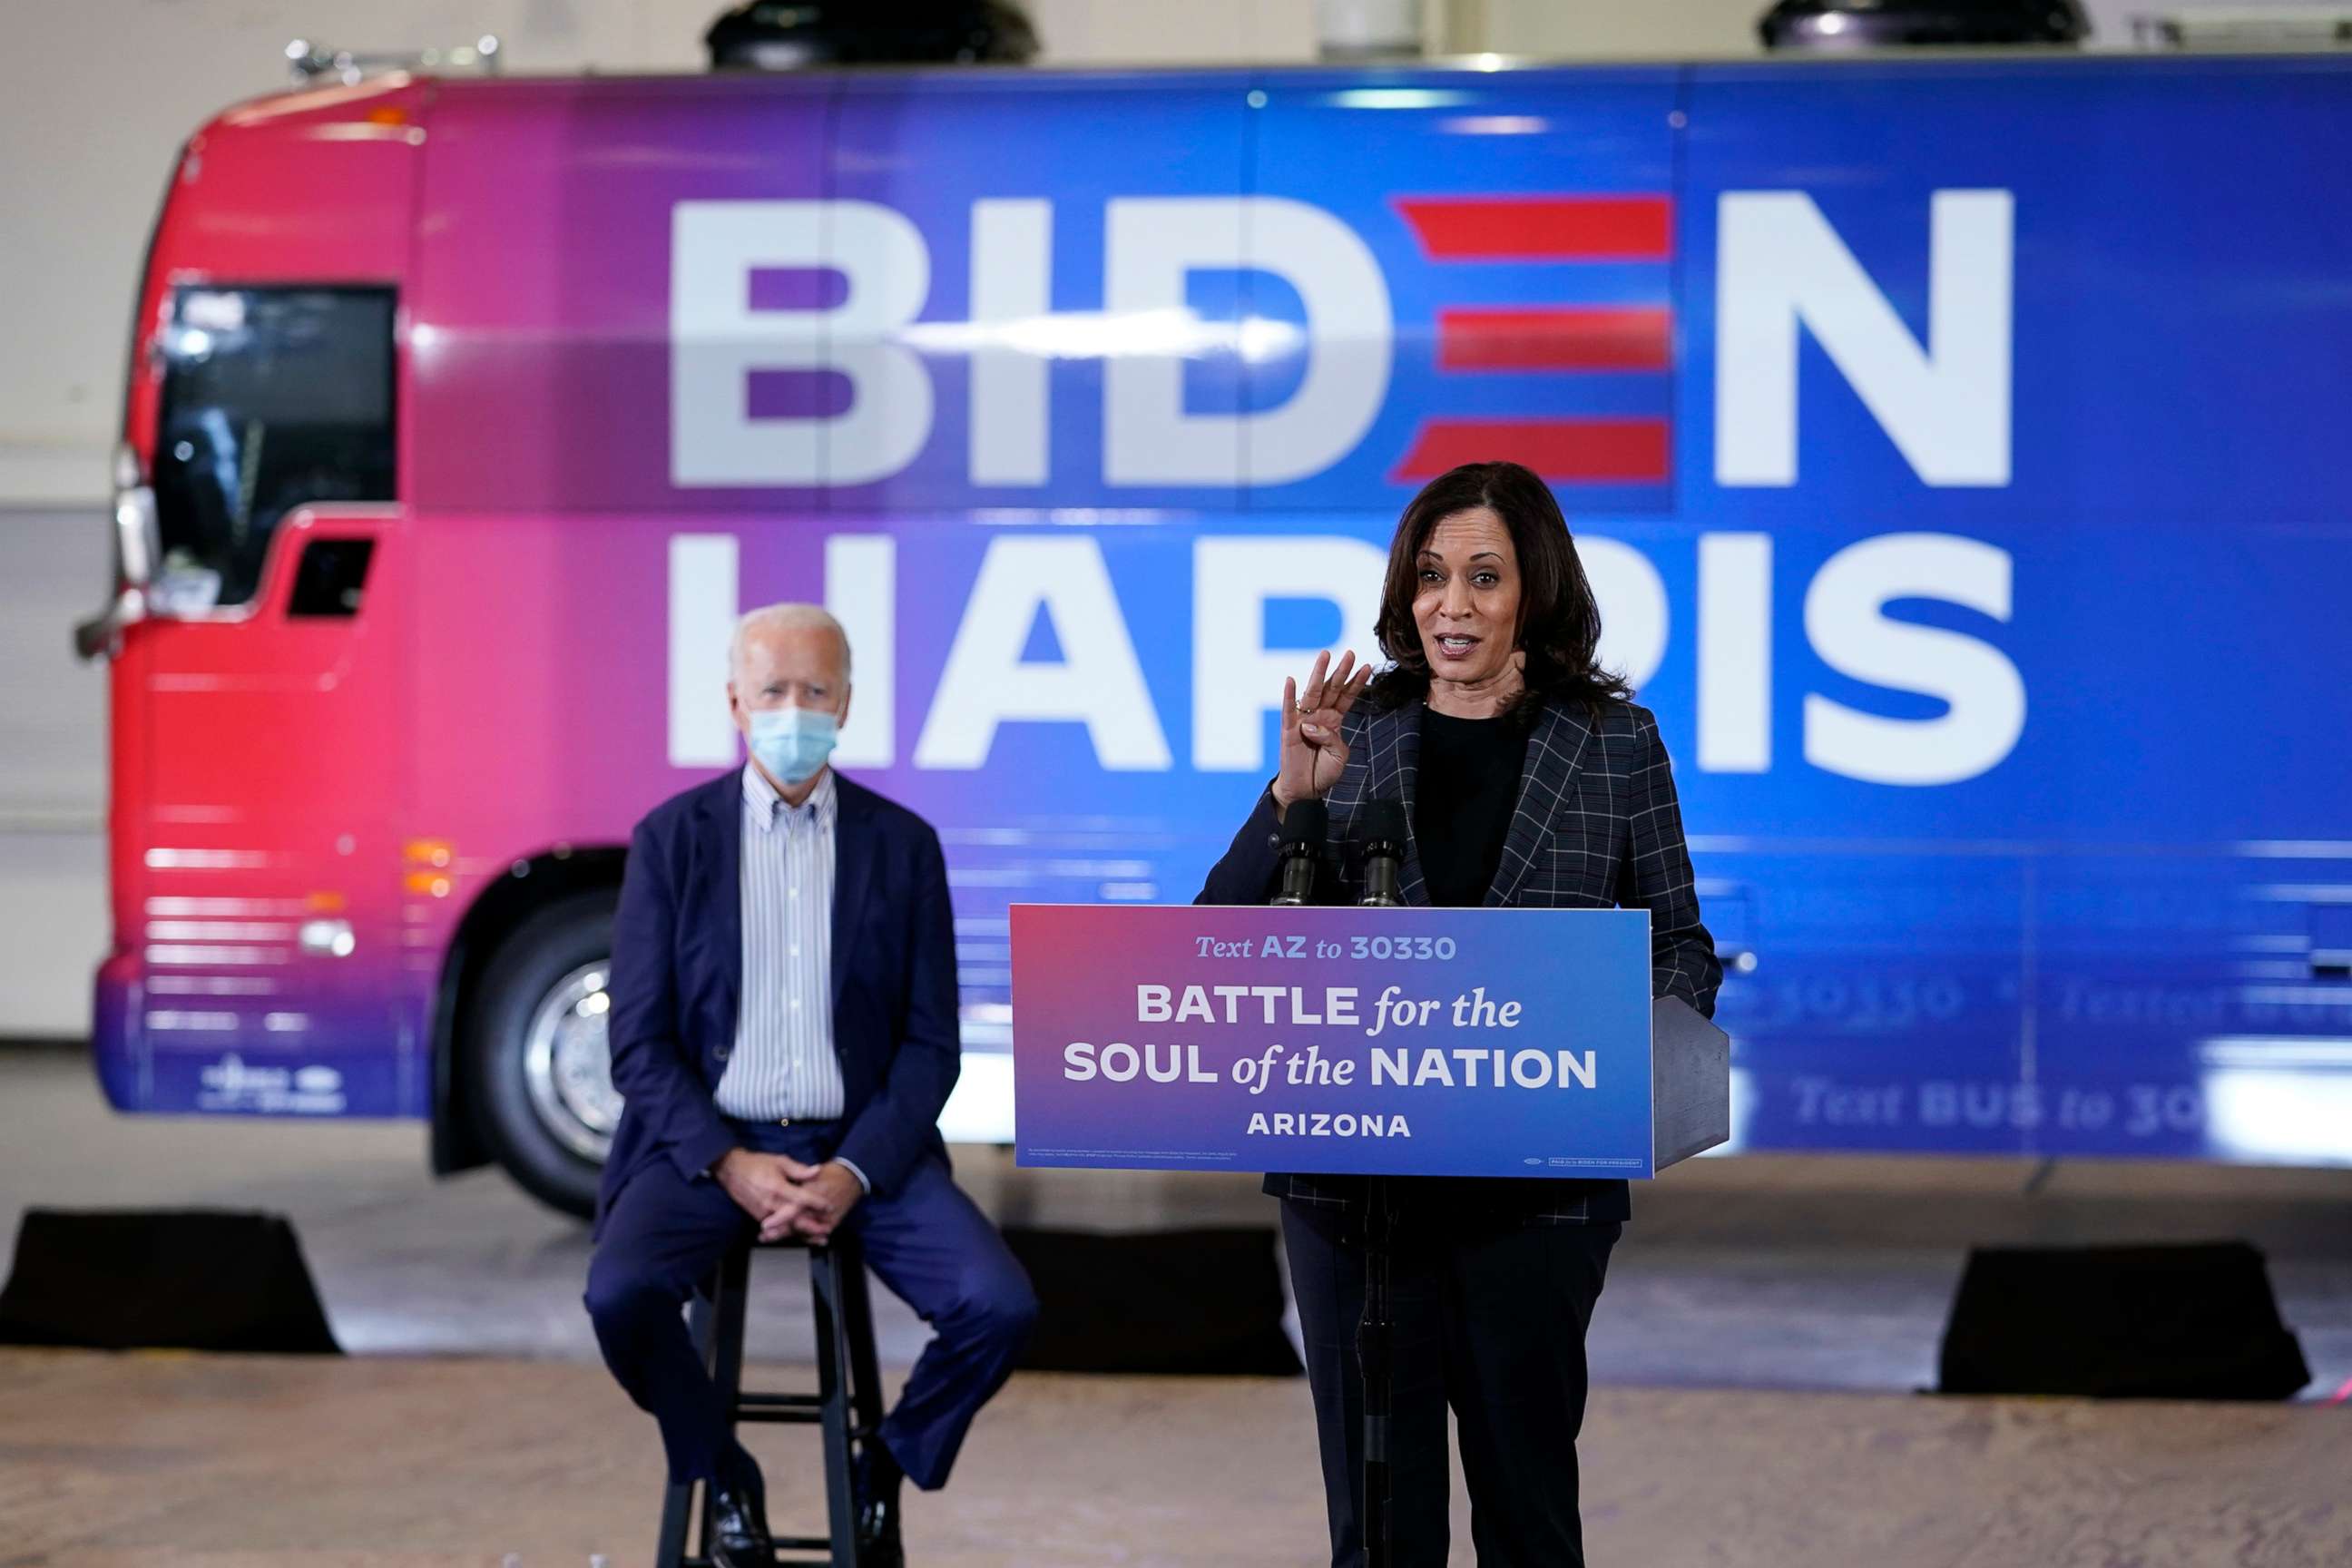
(539, 1082)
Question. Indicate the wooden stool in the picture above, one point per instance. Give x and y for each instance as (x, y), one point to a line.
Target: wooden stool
(847, 1404)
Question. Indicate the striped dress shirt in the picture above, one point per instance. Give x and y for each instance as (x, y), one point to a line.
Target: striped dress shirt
(782, 1065)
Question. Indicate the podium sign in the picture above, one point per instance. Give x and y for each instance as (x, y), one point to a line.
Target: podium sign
(1397, 1042)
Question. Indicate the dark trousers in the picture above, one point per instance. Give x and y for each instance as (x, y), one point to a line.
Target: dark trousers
(926, 1242)
(1490, 1319)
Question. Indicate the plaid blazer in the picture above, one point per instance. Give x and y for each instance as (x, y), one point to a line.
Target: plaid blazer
(1596, 826)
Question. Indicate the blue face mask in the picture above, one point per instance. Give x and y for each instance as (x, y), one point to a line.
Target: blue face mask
(792, 743)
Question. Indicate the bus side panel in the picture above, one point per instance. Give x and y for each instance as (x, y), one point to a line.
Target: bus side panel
(540, 365)
(543, 366)
(2075, 822)
(2161, 528)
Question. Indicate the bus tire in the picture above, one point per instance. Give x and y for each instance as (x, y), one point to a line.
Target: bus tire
(533, 1053)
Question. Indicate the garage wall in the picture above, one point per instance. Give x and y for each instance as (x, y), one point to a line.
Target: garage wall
(53, 567)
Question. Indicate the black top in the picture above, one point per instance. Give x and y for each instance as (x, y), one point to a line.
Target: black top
(1464, 790)
(1622, 758)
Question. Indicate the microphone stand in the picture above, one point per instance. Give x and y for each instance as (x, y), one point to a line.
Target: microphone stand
(1375, 1333)
(1304, 825)
(1375, 1340)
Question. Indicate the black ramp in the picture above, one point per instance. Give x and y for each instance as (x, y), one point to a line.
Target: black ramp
(206, 1279)
(2194, 1321)
(1205, 1302)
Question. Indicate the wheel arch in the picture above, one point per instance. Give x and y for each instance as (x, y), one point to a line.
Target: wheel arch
(531, 884)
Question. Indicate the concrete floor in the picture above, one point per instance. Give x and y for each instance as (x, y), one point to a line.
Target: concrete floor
(148, 1461)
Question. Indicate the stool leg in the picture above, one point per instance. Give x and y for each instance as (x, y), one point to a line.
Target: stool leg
(679, 1498)
(724, 1356)
(678, 1509)
(865, 1378)
(827, 1276)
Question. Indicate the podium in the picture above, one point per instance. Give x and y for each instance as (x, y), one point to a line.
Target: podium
(1379, 1042)
(1690, 1083)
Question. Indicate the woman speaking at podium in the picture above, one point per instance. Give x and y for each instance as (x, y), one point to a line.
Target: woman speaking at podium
(1528, 779)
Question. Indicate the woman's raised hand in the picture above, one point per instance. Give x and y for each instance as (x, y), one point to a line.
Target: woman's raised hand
(1313, 755)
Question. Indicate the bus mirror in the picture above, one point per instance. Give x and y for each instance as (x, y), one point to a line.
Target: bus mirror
(138, 545)
(137, 542)
(101, 635)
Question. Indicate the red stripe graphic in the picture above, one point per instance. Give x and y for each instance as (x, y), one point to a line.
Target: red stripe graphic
(1553, 229)
(1583, 451)
(1638, 337)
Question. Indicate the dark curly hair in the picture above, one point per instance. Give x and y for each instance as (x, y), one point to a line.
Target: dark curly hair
(1559, 622)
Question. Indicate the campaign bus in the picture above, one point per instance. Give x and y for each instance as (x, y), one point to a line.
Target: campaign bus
(1954, 445)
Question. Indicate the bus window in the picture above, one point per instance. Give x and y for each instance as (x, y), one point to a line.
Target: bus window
(272, 398)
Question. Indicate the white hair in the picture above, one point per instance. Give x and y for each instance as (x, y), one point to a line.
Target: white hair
(784, 618)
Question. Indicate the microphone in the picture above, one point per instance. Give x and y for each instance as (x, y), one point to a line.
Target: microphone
(1304, 824)
(1384, 834)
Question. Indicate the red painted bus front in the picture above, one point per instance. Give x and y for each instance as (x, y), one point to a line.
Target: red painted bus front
(265, 936)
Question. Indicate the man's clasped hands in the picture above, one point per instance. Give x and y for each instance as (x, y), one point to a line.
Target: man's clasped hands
(787, 1197)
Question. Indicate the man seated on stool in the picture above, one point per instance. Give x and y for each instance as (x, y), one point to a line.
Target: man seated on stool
(783, 1033)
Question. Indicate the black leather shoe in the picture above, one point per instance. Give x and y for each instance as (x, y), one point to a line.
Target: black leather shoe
(878, 1536)
(877, 1510)
(738, 1521)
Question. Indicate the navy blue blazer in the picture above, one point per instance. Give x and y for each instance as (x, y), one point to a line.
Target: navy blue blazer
(677, 976)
